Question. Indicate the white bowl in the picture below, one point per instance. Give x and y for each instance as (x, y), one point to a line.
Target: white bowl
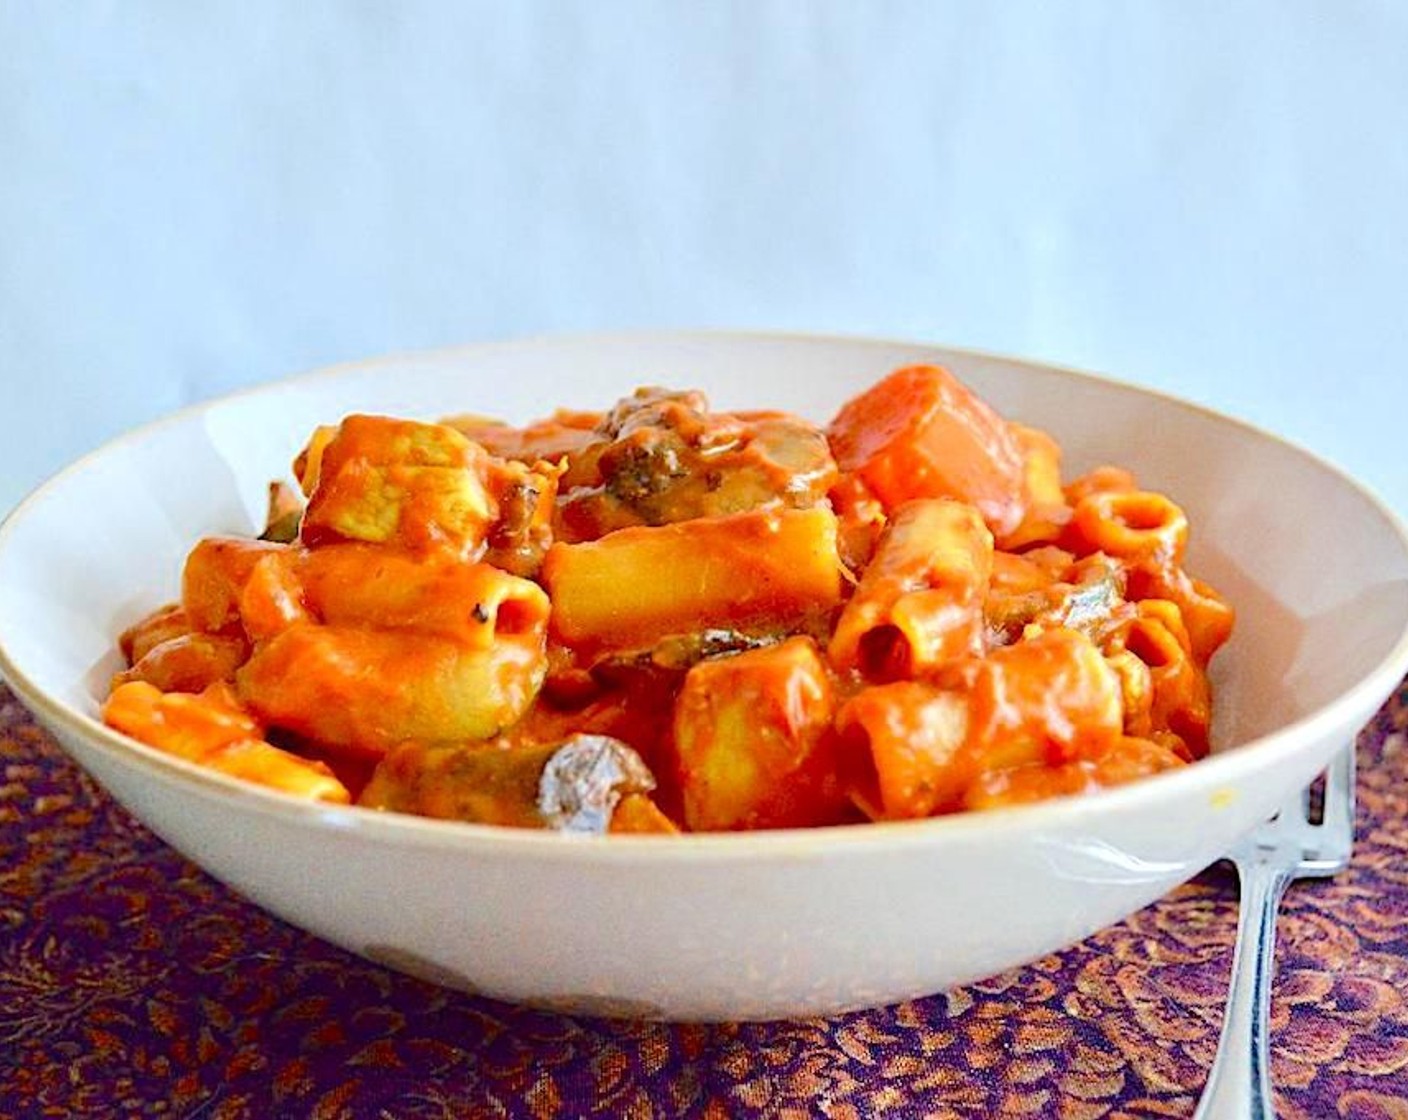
(748, 926)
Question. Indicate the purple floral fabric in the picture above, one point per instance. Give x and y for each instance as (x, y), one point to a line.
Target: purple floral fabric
(131, 984)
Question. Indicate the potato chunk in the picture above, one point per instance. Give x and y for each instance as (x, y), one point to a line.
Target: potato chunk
(752, 740)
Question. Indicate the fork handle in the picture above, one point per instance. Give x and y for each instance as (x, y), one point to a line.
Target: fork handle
(1239, 1086)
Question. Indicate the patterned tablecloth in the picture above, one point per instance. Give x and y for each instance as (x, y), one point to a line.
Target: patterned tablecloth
(131, 984)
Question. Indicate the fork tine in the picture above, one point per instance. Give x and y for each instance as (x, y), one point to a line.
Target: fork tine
(1313, 802)
(1339, 794)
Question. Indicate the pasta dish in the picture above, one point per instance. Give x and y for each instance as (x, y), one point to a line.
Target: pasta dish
(661, 618)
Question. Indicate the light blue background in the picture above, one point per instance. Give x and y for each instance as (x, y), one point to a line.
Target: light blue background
(1207, 197)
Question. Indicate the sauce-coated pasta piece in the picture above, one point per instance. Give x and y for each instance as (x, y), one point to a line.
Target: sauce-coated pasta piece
(476, 604)
(217, 571)
(773, 570)
(1179, 697)
(213, 730)
(904, 749)
(920, 601)
(1049, 699)
(1046, 510)
(359, 690)
(1128, 760)
(188, 662)
(1135, 525)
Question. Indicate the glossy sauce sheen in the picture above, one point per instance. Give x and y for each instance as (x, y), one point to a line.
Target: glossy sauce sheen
(660, 618)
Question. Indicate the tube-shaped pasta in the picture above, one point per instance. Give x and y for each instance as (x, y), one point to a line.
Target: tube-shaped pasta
(1132, 525)
(751, 736)
(763, 569)
(216, 573)
(212, 730)
(362, 690)
(1180, 699)
(1136, 691)
(1206, 615)
(272, 597)
(267, 589)
(188, 662)
(1128, 760)
(1047, 699)
(860, 520)
(1106, 479)
(1046, 510)
(912, 749)
(308, 465)
(368, 586)
(920, 601)
(903, 749)
(1135, 757)
(161, 625)
(998, 789)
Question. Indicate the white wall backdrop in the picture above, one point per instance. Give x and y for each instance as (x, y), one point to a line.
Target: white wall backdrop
(1206, 196)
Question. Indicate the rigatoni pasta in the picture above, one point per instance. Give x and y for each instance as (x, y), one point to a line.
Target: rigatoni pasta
(919, 602)
(214, 730)
(769, 570)
(661, 618)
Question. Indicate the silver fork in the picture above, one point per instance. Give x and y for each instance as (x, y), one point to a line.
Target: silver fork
(1297, 842)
